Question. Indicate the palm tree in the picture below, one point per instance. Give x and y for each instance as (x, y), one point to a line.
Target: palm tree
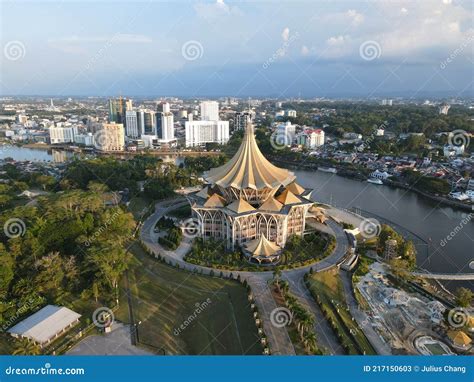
(26, 347)
(276, 277)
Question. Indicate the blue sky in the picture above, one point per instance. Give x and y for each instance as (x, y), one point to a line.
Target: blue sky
(262, 48)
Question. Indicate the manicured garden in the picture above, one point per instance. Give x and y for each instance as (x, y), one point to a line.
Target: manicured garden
(185, 313)
(327, 289)
(299, 251)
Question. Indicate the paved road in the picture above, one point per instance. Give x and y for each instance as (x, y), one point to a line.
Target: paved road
(118, 342)
(362, 319)
(278, 338)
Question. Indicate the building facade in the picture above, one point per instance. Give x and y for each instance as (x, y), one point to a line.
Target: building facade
(209, 111)
(251, 204)
(132, 130)
(62, 134)
(110, 137)
(198, 133)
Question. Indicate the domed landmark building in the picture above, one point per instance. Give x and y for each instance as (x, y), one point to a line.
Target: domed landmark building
(250, 203)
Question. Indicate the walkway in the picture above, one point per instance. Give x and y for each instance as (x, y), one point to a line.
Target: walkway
(278, 338)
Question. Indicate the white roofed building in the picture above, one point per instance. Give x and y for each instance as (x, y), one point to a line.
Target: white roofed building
(46, 325)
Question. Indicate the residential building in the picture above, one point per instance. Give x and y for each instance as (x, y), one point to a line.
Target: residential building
(242, 120)
(209, 111)
(453, 150)
(111, 137)
(444, 108)
(60, 134)
(199, 133)
(315, 138)
(287, 132)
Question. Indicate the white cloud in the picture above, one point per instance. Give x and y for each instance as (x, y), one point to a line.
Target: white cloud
(285, 34)
(215, 10)
(355, 17)
(304, 50)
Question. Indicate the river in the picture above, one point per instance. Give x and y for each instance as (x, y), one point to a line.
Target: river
(430, 221)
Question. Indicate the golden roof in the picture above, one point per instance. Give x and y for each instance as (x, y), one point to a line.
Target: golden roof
(295, 188)
(215, 201)
(459, 338)
(271, 204)
(262, 247)
(248, 168)
(287, 197)
(240, 206)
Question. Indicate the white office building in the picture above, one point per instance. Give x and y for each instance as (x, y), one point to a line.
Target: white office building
(84, 139)
(199, 133)
(111, 137)
(209, 111)
(131, 124)
(62, 134)
(167, 126)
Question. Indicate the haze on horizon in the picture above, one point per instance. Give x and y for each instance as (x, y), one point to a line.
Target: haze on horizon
(211, 48)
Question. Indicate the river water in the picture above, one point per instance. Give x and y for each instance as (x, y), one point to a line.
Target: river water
(430, 221)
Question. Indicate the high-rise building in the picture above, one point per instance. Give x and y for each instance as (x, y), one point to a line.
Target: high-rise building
(110, 137)
(209, 111)
(199, 133)
(314, 138)
(62, 134)
(131, 124)
(117, 109)
(147, 122)
(167, 127)
(242, 120)
(286, 132)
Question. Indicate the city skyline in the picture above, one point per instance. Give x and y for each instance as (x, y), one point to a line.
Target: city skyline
(239, 49)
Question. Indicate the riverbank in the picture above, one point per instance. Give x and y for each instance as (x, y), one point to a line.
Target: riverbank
(358, 175)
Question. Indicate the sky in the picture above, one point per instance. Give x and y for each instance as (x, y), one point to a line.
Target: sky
(369, 48)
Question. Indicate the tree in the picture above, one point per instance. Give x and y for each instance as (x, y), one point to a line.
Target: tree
(464, 297)
(26, 347)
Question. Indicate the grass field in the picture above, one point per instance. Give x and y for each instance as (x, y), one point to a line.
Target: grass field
(184, 313)
(328, 286)
(138, 205)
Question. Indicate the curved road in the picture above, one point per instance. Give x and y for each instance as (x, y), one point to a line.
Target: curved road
(278, 338)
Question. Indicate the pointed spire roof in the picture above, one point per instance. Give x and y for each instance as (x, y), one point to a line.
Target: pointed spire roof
(459, 337)
(287, 197)
(271, 204)
(295, 188)
(248, 168)
(215, 201)
(240, 206)
(262, 247)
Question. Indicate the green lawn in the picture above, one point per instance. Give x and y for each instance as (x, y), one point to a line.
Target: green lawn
(138, 205)
(163, 298)
(328, 286)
